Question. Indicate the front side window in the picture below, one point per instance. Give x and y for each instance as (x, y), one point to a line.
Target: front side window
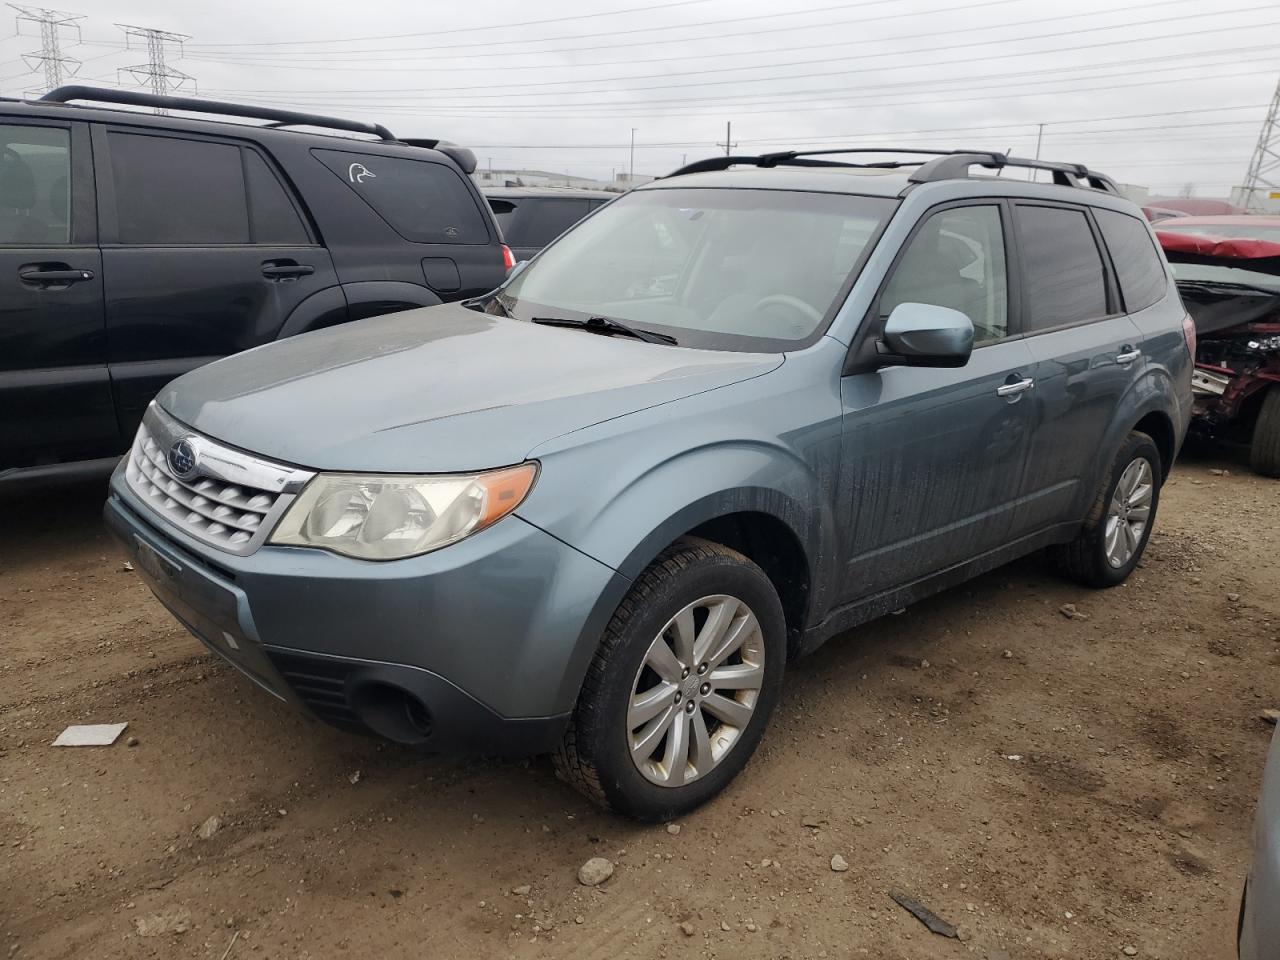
(1062, 268)
(716, 268)
(424, 202)
(956, 259)
(35, 185)
(174, 191)
(1139, 268)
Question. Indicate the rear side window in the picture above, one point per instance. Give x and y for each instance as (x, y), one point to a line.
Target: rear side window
(503, 211)
(422, 201)
(171, 191)
(1061, 267)
(541, 221)
(275, 219)
(1138, 267)
(35, 191)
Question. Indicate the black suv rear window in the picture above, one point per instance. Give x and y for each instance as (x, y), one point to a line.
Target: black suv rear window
(1138, 267)
(422, 201)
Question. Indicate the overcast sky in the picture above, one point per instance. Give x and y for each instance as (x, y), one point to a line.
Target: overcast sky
(1164, 93)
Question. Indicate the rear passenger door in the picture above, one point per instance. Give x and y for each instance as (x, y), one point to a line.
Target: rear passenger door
(55, 391)
(205, 253)
(931, 457)
(1086, 351)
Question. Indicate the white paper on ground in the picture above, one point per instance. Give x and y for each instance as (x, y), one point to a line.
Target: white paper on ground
(90, 735)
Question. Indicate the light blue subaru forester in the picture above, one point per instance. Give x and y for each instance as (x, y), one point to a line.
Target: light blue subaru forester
(727, 416)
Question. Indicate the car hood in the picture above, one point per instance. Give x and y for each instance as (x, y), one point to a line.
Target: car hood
(1218, 310)
(438, 389)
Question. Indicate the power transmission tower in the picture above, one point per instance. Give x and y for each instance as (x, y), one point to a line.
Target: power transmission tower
(1263, 177)
(156, 72)
(52, 23)
(728, 137)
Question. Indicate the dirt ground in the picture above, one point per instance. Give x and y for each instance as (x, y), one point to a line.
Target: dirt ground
(1057, 787)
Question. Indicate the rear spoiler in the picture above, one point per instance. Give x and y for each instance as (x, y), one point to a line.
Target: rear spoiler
(463, 157)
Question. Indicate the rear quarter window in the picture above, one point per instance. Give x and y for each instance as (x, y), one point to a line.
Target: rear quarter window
(423, 201)
(1138, 266)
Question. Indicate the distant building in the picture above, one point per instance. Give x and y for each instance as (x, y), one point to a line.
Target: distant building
(544, 178)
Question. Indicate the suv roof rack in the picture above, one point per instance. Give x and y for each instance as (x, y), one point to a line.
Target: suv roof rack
(278, 118)
(943, 165)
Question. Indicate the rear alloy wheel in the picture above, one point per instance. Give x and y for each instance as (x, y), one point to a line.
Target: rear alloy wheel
(1116, 531)
(682, 686)
(1264, 451)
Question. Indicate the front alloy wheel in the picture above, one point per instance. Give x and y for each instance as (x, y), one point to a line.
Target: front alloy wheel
(682, 685)
(696, 691)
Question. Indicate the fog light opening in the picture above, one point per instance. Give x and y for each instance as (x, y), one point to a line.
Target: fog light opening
(392, 712)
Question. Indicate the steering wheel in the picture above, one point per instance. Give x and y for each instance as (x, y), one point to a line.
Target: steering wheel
(786, 300)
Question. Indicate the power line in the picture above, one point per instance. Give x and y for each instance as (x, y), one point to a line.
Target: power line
(52, 23)
(496, 26)
(579, 83)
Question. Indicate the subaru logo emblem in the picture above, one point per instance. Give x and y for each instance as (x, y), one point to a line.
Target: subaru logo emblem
(182, 459)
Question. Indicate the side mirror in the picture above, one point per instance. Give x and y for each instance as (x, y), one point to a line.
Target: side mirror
(925, 335)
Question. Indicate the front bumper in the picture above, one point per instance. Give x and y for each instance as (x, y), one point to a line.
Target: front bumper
(480, 646)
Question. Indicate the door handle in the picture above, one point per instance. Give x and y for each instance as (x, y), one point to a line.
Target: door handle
(1015, 389)
(280, 270)
(1127, 355)
(41, 276)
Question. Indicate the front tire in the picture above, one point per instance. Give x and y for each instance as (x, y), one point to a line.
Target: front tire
(680, 691)
(1119, 524)
(1264, 450)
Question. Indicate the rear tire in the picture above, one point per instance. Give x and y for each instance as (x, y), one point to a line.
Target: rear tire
(668, 714)
(1264, 451)
(1110, 544)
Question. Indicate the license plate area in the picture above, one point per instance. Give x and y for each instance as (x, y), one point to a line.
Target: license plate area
(160, 567)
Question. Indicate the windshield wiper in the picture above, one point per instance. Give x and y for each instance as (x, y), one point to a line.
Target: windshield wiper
(1228, 286)
(607, 325)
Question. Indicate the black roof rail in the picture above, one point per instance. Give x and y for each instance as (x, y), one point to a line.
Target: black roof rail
(279, 118)
(939, 165)
(956, 166)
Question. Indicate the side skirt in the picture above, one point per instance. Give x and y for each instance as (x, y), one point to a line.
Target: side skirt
(878, 605)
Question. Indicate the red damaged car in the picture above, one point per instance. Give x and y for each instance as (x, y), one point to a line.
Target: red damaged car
(1228, 272)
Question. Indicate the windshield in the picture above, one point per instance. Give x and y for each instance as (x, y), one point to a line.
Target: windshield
(1213, 273)
(715, 268)
(1234, 231)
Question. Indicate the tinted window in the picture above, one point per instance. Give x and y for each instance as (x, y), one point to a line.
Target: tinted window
(275, 219)
(178, 191)
(725, 269)
(503, 212)
(1139, 268)
(1061, 267)
(423, 201)
(35, 191)
(956, 260)
(542, 220)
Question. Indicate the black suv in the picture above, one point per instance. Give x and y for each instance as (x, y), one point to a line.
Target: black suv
(531, 217)
(136, 246)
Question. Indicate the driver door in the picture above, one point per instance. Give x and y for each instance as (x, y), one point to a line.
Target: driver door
(932, 458)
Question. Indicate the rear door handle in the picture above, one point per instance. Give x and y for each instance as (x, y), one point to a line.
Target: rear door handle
(45, 276)
(1127, 355)
(279, 270)
(1016, 389)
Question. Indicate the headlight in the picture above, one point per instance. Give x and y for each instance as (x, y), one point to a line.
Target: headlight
(389, 517)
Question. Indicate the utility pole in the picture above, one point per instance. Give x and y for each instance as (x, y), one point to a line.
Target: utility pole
(51, 23)
(631, 168)
(1263, 177)
(156, 72)
(1035, 174)
(728, 137)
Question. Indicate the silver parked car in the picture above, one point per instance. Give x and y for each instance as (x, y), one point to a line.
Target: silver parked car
(1260, 908)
